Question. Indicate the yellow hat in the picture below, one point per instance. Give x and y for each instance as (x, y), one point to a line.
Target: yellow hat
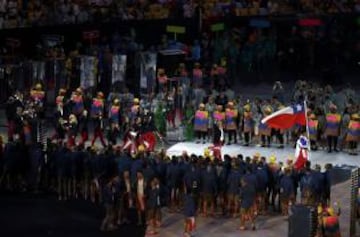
(161, 70)
(268, 109)
(141, 148)
(136, 101)
(62, 91)
(202, 105)
(100, 94)
(320, 209)
(79, 90)
(272, 159)
(247, 107)
(206, 153)
(355, 116)
(116, 101)
(38, 86)
(330, 211)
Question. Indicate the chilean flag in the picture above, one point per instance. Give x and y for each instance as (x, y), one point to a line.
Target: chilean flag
(301, 153)
(286, 118)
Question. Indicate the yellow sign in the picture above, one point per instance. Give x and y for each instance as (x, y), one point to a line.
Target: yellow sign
(175, 29)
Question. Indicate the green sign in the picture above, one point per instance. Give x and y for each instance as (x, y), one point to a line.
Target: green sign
(217, 27)
(175, 29)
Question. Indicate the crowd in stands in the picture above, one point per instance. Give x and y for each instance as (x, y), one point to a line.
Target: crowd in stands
(27, 13)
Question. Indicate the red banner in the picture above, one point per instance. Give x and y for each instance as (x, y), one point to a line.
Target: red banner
(90, 35)
(310, 22)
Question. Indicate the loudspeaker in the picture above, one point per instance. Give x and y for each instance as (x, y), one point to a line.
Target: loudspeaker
(344, 188)
(302, 221)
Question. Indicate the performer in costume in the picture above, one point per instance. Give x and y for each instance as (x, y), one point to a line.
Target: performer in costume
(219, 115)
(72, 130)
(114, 116)
(218, 140)
(160, 119)
(83, 126)
(147, 136)
(332, 128)
(130, 143)
(201, 123)
(353, 133)
(27, 132)
(264, 129)
(135, 110)
(231, 118)
(313, 131)
(60, 99)
(211, 107)
(60, 117)
(77, 102)
(37, 95)
(330, 223)
(248, 124)
(97, 113)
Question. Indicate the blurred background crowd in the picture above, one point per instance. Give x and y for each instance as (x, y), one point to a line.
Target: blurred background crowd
(27, 13)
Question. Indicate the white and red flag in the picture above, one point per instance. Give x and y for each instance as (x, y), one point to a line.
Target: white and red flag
(287, 117)
(301, 153)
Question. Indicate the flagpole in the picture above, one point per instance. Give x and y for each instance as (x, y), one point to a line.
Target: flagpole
(307, 127)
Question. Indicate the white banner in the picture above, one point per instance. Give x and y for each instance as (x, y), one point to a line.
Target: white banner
(148, 71)
(88, 71)
(118, 68)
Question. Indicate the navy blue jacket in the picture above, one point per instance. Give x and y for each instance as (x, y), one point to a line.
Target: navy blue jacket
(262, 179)
(153, 198)
(173, 175)
(248, 192)
(208, 181)
(192, 179)
(189, 206)
(287, 187)
(234, 181)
